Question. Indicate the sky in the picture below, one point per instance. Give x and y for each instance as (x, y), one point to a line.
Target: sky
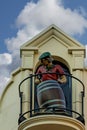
(20, 20)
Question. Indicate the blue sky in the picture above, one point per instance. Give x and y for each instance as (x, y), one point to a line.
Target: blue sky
(20, 20)
(9, 10)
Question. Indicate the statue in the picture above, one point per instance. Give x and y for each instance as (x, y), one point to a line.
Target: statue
(49, 92)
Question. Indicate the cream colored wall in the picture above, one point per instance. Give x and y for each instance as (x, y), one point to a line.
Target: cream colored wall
(84, 79)
(57, 48)
(74, 58)
(9, 106)
(27, 59)
(10, 101)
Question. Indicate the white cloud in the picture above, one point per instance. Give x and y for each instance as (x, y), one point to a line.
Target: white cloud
(45, 13)
(35, 17)
(5, 59)
(4, 76)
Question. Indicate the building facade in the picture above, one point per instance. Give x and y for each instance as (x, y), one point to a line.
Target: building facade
(18, 104)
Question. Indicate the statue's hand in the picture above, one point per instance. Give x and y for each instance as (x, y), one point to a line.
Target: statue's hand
(62, 79)
(37, 81)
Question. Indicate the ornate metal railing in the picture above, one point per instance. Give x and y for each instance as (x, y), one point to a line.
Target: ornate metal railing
(38, 111)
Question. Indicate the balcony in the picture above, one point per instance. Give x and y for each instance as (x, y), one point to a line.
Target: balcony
(58, 118)
(51, 122)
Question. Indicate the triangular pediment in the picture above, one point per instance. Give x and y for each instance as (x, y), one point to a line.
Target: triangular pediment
(52, 33)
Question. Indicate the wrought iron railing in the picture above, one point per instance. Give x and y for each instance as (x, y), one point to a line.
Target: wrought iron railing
(37, 111)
